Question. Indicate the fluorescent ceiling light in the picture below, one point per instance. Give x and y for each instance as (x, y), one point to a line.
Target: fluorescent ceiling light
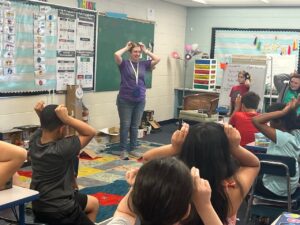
(200, 1)
(265, 1)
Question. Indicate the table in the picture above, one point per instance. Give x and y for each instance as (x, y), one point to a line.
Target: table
(17, 196)
(256, 149)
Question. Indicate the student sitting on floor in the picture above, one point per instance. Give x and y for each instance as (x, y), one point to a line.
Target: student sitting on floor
(52, 155)
(215, 149)
(284, 133)
(11, 158)
(161, 194)
(241, 119)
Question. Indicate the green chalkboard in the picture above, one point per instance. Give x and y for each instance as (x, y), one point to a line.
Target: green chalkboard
(113, 34)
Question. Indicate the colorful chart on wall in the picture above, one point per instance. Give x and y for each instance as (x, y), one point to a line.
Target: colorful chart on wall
(43, 48)
(235, 41)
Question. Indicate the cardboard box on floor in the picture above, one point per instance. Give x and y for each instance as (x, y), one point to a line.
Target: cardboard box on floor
(88, 152)
(109, 135)
(155, 125)
(74, 105)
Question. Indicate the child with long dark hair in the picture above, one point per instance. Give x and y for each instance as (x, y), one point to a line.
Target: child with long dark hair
(229, 168)
(161, 194)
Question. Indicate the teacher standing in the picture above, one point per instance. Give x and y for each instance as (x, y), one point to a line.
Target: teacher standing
(132, 93)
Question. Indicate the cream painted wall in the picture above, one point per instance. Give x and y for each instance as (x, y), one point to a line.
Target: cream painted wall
(169, 36)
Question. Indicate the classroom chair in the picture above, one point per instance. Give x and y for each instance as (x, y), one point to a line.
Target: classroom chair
(200, 107)
(261, 206)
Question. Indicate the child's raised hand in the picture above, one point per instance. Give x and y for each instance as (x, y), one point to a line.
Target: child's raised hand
(238, 102)
(131, 175)
(39, 107)
(178, 137)
(62, 113)
(247, 82)
(293, 104)
(233, 135)
(202, 191)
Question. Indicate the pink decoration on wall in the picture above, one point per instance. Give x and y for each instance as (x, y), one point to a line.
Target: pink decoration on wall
(175, 55)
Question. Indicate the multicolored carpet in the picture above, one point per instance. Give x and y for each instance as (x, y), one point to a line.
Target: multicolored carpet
(102, 177)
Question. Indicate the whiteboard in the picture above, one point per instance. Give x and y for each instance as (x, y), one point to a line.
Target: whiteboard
(258, 80)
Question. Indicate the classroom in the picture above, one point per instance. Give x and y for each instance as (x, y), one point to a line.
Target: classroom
(176, 24)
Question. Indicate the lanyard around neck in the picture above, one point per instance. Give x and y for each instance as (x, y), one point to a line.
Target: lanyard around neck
(135, 71)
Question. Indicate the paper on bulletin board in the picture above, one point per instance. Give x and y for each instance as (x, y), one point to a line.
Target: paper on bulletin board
(85, 32)
(85, 50)
(85, 72)
(66, 30)
(66, 61)
(65, 69)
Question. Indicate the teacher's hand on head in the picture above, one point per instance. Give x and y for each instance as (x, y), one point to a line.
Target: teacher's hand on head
(144, 49)
(128, 45)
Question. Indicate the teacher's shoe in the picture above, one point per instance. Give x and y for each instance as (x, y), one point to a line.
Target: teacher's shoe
(135, 154)
(124, 155)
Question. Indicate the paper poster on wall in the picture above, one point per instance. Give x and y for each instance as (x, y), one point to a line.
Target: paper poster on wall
(85, 32)
(9, 41)
(66, 63)
(85, 73)
(65, 69)
(66, 30)
(39, 48)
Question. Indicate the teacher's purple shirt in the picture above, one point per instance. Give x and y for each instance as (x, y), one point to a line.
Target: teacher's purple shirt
(128, 80)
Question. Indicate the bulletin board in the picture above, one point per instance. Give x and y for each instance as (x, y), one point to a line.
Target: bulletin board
(44, 47)
(236, 41)
(113, 34)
